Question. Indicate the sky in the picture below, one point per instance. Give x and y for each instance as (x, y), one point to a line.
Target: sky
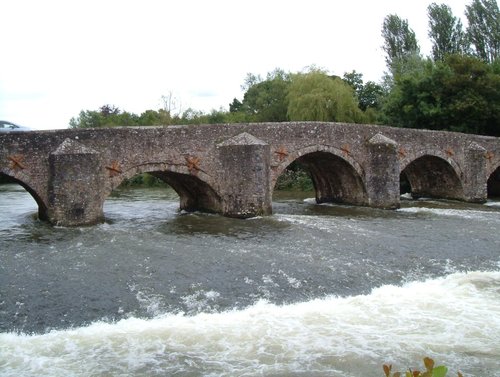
(59, 57)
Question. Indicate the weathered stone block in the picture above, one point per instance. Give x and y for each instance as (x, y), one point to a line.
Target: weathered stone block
(75, 185)
(245, 169)
(475, 177)
(382, 172)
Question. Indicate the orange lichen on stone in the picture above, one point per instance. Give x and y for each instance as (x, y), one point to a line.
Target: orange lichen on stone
(16, 162)
(282, 153)
(114, 169)
(346, 149)
(193, 164)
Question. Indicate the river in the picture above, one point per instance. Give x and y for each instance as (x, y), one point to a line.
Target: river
(313, 290)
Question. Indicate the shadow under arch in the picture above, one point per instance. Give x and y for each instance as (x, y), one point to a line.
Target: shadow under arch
(493, 184)
(42, 207)
(432, 176)
(336, 177)
(195, 192)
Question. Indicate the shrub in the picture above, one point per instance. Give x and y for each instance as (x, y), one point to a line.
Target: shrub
(431, 371)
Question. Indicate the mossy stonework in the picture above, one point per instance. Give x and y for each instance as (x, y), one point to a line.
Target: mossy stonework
(232, 168)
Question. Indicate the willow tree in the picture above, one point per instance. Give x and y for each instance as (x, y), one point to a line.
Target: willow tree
(315, 96)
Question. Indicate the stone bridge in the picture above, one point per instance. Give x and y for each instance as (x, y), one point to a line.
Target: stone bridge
(232, 168)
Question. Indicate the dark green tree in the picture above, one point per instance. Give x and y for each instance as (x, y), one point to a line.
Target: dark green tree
(484, 28)
(109, 110)
(266, 101)
(461, 93)
(445, 32)
(106, 116)
(355, 80)
(86, 119)
(400, 42)
(150, 118)
(235, 106)
(368, 94)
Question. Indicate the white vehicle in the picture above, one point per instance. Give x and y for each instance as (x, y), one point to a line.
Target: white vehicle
(11, 127)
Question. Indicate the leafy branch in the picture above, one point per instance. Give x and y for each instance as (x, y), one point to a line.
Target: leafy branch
(431, 371)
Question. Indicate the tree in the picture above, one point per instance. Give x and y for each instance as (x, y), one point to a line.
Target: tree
(400, 41)
(484, 28)
(355, 80)
(111, 116)
(86, 119)
(368, 94)
(251, 80)
(150, 118)
(461, 93)
(445, 32)
(109, 110)
(235, 106)
(266, 101)
(171, 106)
(315, 96)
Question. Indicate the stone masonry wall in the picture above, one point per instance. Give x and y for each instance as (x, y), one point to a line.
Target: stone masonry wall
(71, 172)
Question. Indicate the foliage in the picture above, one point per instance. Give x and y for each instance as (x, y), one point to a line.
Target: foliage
(461, 93)
(143, 180)
(355, 80)
(294, 178)
(430, 370)
(484, 28)
(445, 32)
(235, 106)
(316, 96)
(111, 116)
(161, 117)
(400, 41)
(265, 100)
(368, 94)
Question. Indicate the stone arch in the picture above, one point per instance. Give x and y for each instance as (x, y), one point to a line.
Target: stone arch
(433, 174)
(23, 180)
(336, 176)
(195, 189)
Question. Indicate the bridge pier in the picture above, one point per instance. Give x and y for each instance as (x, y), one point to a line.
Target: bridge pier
(76, 185)
(475, 174)
(245, 176)
(382, 173)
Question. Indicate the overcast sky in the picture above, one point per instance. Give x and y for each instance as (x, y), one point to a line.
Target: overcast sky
(60, 57)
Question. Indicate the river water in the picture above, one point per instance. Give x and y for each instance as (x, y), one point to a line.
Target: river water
(314, 290)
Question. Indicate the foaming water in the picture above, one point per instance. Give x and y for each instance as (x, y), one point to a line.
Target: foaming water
(450, 319)
(314, 290)
(466, 214)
